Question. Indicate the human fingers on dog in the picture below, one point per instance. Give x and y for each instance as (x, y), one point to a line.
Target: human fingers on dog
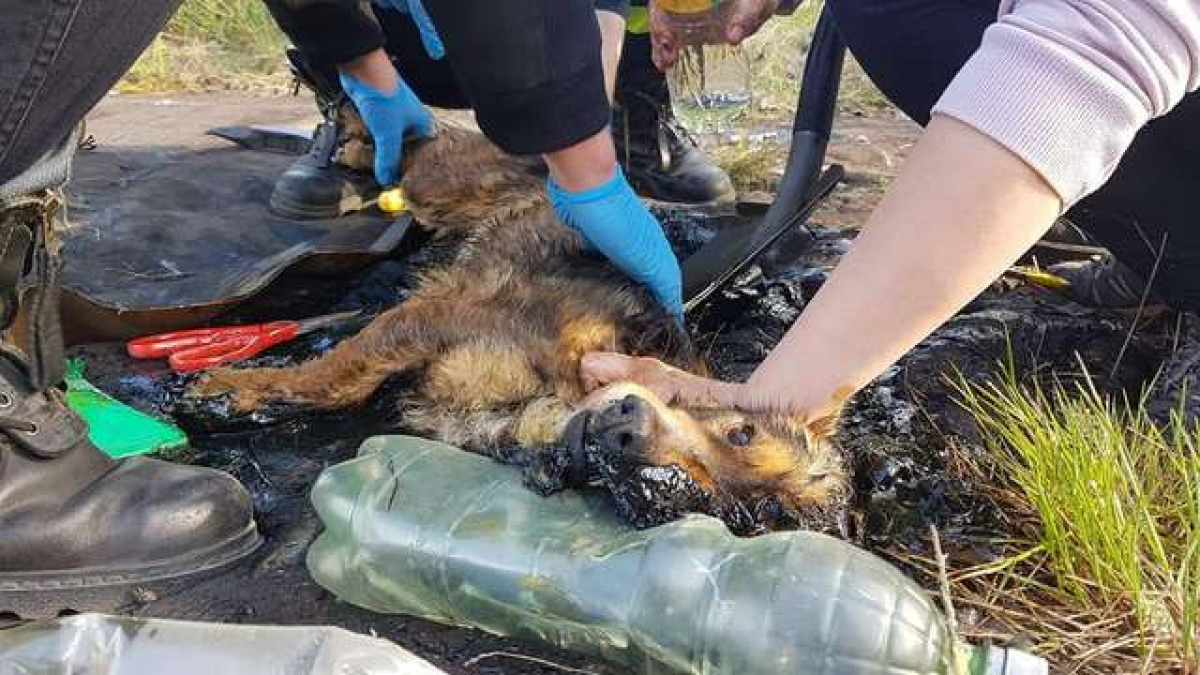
(599, 369)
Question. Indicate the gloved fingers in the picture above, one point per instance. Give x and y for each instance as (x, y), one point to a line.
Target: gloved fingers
(387, 161)
(617, 223)
(651, 263)
(429, 35)
(423, 125)
(647, 257)
(389, 118)
(667, 288)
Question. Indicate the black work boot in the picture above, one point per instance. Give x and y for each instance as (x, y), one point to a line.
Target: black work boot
(78, 529)
(660, 158)
(1102, 281)
(334, 178)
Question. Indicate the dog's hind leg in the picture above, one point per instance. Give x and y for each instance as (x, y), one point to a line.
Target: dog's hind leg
(396, 341)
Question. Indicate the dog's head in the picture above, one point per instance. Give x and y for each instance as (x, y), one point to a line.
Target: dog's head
(755, 470)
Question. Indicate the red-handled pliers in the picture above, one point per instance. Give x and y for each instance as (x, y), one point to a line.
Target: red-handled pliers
(204, 348)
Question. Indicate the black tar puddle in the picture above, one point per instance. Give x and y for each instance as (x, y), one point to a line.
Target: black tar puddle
(896, 432)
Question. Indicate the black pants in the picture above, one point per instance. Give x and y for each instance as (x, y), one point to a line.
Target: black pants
(911, 49)
(436, 84)
(530, 69)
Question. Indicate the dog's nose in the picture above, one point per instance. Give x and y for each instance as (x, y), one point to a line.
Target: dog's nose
(626, 426)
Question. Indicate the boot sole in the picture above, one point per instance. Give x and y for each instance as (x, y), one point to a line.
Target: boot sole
(47, 594)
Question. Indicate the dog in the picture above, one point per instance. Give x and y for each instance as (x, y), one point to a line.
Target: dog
(491, 339)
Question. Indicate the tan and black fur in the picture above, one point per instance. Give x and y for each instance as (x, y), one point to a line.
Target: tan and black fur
(494, 337)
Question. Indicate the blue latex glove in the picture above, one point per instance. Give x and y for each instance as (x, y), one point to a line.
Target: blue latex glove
(389, 118)
(613, 220)
(429, 35)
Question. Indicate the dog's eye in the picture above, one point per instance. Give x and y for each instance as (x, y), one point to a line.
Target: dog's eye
(741, 435)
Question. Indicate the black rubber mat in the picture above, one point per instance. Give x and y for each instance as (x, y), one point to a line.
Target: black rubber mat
(164, 228)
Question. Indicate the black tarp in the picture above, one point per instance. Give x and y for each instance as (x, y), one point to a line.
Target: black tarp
(164, 236)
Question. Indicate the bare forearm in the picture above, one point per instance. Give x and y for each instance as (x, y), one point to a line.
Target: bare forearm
(963, 209)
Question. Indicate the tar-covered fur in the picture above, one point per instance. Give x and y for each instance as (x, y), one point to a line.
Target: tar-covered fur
(492, 339)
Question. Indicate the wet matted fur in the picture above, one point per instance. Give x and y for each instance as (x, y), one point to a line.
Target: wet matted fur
(492, 338)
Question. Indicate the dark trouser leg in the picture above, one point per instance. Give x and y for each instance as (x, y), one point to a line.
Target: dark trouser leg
(1147, 210)
(71, 518)
(662, 161)
(433, 81)
(328, 34)
(913, 48)
(531, 69)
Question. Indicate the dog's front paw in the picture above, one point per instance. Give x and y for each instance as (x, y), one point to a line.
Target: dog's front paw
(226, 400)
(245, 390)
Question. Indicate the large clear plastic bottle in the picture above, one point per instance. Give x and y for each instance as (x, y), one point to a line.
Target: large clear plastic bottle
(420, 528)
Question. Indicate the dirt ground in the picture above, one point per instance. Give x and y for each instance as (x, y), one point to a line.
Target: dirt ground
(896, 432)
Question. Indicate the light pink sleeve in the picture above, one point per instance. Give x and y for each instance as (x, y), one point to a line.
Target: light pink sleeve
(1066, 84)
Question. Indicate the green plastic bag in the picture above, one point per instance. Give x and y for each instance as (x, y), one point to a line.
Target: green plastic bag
(117, 429)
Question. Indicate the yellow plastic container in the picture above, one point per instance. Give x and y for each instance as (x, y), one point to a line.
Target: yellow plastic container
(688, 6)
(693, 20)
(392, 201)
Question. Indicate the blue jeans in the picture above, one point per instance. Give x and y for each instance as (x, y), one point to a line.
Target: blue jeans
(911, 49)
(57, 59)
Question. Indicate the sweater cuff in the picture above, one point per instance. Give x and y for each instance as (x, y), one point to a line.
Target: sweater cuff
(1065, 117)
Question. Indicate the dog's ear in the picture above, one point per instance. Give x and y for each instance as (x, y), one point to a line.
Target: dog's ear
(826, 426)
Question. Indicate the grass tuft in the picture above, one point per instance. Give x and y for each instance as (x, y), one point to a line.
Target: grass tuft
(212, 45)
(1106, 567)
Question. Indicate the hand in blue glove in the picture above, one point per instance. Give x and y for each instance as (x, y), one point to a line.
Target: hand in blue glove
(613, 220)
(389, 118)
